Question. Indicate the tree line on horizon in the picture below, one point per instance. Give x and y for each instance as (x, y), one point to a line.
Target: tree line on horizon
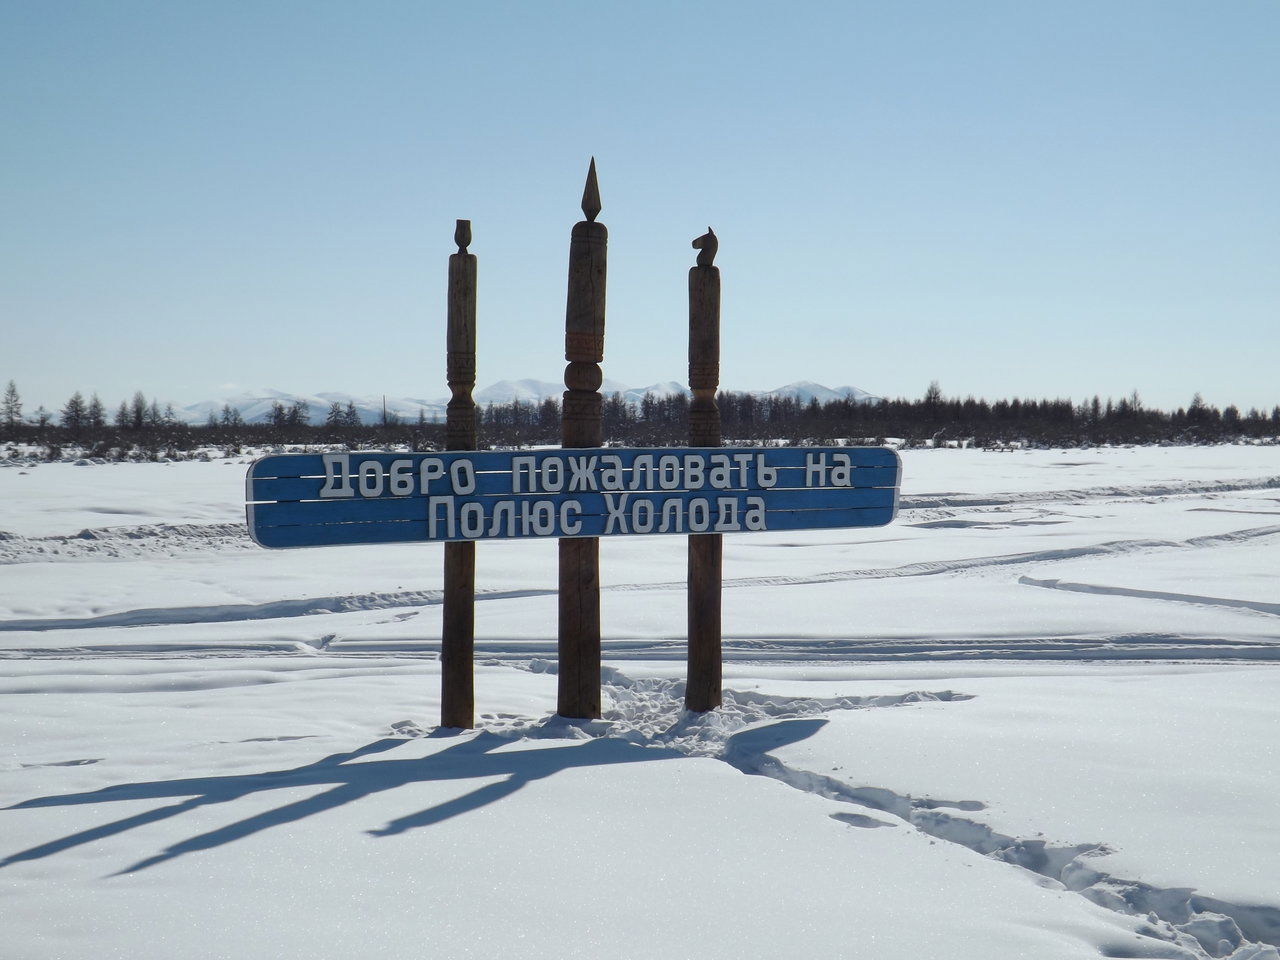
(142, 424)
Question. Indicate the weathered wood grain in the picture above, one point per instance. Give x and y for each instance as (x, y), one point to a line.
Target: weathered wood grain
(703, 686)
(457, 642)
(582, 426)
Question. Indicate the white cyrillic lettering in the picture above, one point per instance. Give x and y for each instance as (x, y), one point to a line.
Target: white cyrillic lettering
(642, 516)
(337, 476)
(582, 474)
(672, 516)
(503, 510)
(401, 477)
(371, 479)
(529, 466)
(765, 476)
(639, 480)
(669, 472)
(753, 516)
(462, 475)
(694, 472)
(611, 473)
(718, 475)
(567, 528)
(699, 515)
(815, 468)
(743, 460)
(432, 468)
(616, 505)
(471, 520)
(541, 519)
(841, 470)
(726, 515)
(537, 518)
(552, 475)
(433, 520)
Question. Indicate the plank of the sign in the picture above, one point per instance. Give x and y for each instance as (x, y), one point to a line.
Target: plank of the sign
(312, 465)
(587, 504)
(417, 531)
(500, 484)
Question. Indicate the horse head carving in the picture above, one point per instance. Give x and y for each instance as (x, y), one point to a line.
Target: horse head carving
(707, 244)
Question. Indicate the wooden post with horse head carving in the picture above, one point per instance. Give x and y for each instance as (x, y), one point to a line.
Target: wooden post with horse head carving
(703, 687)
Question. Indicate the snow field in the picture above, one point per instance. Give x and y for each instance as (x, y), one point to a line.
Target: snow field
(1035, 717)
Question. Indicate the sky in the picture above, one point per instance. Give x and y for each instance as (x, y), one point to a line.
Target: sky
(1011, 198)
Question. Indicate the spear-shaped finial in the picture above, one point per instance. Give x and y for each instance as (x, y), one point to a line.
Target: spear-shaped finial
(707, 245)
(591, 194)
(462, 235)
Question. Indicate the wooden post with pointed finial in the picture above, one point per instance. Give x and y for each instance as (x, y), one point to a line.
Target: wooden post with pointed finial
(703, 688)
(582, 426)
(457, 681)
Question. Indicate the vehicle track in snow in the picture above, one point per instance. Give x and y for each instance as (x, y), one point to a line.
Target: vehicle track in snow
(309, 606)
(151, 541)
(1020, 647)
(650, 712)
(1203, 926)
(1254, 606)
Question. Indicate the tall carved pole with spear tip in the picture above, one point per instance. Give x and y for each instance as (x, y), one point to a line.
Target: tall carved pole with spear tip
(582, 426)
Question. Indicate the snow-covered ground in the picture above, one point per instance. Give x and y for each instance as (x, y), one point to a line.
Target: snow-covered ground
(1036, 717)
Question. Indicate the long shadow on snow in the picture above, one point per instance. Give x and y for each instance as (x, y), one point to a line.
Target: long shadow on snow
(471, 758)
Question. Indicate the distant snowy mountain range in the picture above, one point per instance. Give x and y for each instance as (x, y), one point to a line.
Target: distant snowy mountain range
(255, 406)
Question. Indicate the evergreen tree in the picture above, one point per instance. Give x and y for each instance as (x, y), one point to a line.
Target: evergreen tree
(335, 417)
(549, 414)
(616, 414)
(138, 411)
(123, 417)
(12, 407)
(933, 399)
(1196, 412)
(351, 416)
(95, 416)
(73, 414)
(231, 416)
(648, 407)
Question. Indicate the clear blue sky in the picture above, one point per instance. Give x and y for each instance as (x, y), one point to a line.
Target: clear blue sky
(1011, 198)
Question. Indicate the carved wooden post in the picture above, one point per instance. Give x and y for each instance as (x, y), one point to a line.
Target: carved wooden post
(702, 690)
(581, 426)
(457, 685)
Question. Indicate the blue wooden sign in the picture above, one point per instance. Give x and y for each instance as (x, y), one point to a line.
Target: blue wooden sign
(307, 500)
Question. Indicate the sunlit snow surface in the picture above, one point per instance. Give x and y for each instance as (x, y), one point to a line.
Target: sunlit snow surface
(1035, 717)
